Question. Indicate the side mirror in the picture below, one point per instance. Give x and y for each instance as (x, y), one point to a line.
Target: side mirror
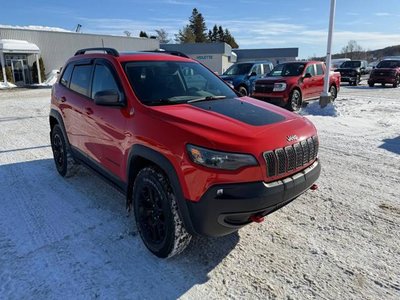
(108, 98)
(307, 75)
(253, 74)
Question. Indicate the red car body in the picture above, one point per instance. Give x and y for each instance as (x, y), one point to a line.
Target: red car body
(117, 141)
(309, 84)
(387, 71)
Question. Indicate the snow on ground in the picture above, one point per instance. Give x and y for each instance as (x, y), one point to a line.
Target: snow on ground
(71, 238)
(50, 81)
(7, 85)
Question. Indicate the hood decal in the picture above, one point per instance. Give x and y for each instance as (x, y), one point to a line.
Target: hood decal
(241, 111)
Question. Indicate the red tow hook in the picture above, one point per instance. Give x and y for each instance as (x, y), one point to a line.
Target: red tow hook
(314, 187)
(257, 219)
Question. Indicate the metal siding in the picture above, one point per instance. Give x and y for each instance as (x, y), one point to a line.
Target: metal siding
(57, 47)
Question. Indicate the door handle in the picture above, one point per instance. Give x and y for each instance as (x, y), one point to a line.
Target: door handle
(89, 111)
(63, 99)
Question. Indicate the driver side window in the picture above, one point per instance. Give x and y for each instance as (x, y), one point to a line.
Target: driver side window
(310, 69)
(103, 80)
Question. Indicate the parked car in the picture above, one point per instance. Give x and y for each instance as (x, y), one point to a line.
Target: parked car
(292, 83)
(242, 75)
(353, 71)
(387, 71)
(189, 154)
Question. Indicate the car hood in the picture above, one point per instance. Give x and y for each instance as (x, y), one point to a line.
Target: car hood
(233, 78)
(270, 79)
(237, 123)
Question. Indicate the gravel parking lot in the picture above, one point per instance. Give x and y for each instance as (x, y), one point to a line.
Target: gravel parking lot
(71, 238)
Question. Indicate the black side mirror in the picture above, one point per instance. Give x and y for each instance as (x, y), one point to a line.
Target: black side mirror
(253, 74)
(307, 75)
(108, 98)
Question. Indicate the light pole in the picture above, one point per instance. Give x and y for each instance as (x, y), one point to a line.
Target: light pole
(325, 97)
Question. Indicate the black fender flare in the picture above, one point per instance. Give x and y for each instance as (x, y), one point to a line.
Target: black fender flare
(141, 151)
(56, 115)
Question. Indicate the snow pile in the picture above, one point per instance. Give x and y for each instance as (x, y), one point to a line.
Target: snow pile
(50, 81)
(314, 109)
(7, 85)
(35, 27)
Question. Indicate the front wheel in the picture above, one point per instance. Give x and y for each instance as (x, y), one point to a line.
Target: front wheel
(371, 84)
(295, 101)
(156, 213)
(243, 91)
(396, 83)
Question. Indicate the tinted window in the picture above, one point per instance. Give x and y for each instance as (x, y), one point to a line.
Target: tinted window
(163, 82)
(103, 80)
(80, 80)
(389, 64)
(351, 64)
(320, 70)
(267, 68)
(256, 69)
(66, 77)
(288, 69)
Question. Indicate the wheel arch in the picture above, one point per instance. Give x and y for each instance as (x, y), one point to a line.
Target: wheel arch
(141, 156)
(55, 118)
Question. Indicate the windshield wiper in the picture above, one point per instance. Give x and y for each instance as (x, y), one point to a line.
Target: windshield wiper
(208, 98)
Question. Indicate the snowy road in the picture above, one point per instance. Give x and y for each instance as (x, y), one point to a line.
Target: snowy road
(71, 238)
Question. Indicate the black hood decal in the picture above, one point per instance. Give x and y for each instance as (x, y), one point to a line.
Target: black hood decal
(241, 111)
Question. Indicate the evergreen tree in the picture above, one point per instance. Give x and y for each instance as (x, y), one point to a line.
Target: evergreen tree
(198, 26)
(143, 34)
(185, 35)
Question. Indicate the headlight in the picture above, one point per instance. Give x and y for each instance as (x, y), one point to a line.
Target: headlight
(219, 160)
(279, 87)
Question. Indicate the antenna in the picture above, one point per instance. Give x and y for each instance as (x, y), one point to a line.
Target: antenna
(102, 42)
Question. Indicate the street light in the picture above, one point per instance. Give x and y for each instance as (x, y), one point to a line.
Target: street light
(325, 97)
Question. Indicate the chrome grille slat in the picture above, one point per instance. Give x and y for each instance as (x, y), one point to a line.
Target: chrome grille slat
(292, 157)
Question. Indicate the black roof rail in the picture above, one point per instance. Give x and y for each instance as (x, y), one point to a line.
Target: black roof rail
(110, 51)
(176, 53)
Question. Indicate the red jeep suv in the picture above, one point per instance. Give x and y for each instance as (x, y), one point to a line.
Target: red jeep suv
(190, 154)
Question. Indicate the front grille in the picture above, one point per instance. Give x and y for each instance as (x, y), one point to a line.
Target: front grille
(287, 159)
(263, 88)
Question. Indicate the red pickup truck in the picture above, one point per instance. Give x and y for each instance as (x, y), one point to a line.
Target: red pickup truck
(290, 84)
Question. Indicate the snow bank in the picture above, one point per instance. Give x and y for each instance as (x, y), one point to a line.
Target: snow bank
(314, 109)
(7, 85)
(51, 79)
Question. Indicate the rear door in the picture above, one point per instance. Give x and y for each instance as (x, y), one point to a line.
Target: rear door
(319, 80)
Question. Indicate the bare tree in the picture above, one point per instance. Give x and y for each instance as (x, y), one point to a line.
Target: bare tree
(127, 33)
(353, 50)
(162, 36)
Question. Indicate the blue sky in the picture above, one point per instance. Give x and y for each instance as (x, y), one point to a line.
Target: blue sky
(255, 24)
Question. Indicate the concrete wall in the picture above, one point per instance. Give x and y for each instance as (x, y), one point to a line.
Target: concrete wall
(57, 47)
(212, 61)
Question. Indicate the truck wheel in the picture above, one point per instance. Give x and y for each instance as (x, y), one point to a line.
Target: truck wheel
(65, 163)
(157, 216)
(294, 103)
(242, 90)
(333, 92)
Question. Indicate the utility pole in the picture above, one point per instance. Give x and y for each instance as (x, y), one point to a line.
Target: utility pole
(325, 97)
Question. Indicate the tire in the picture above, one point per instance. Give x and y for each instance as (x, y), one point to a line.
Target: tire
(65, 163)
(396, 83)
(371, 84)
(383, 84)
(156, 214)
(295, 101)
(333, 92)
(242, 90)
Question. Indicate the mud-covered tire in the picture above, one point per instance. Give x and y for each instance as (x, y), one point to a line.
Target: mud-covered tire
(295, 101)
(63, 159)
(157, 216)
(242, 90)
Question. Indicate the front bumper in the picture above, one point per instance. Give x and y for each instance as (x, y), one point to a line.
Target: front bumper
(225, 208)
(349, 79)
(387, 79)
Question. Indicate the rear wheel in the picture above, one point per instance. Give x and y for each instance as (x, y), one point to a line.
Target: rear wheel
(295, 101)
(242, 90)
(397, 81)
(371, 84)
(156, 214)
(65, 163)
(333, 92)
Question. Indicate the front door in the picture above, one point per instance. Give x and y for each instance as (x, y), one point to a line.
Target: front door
(19, 71)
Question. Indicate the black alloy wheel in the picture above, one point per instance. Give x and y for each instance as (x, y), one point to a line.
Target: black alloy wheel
(295, 101)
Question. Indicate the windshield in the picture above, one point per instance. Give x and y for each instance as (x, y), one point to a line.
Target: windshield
(169, 82)
(238, 69)
(389, 64)
(351, 64)
(288, 69)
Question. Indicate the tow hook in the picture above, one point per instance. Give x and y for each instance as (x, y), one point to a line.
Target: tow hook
(257, 219)
(314, 187)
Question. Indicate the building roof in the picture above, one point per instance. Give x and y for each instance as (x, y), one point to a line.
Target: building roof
(18, 46)
(199, 48)
(265, 53)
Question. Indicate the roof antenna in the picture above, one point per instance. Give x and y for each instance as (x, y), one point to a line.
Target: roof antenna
(102, 42)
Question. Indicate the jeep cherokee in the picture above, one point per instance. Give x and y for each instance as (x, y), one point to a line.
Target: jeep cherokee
(191, 156)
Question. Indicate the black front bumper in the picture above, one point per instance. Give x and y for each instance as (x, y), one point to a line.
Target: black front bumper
(226, 208)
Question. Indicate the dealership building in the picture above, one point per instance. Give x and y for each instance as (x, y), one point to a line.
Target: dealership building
(20, 47)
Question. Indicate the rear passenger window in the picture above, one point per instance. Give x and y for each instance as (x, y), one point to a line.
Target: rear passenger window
(320, 70)
(103, 80)
(66, 77)
(267, 68)
(80, 81)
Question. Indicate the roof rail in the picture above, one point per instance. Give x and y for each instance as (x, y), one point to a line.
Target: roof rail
(176, 53)
(110, 51)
